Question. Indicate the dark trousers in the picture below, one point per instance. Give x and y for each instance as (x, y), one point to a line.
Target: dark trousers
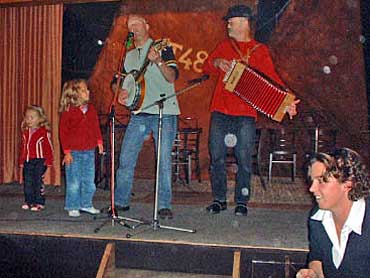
(33, 181)
(244, 130)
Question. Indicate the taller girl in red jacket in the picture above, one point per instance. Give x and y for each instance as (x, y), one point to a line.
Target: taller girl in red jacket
(80, 134)
(35, 156)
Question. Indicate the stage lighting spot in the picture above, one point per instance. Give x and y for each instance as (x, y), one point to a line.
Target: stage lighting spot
(362, 39)
(245, 191)
(100, 42)
(142, 128)
(235, 224)
(230, 140)
(326, 69)
(333, 60)
(352, 4)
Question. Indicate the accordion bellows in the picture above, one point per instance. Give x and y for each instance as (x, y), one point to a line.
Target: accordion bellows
(258, 91)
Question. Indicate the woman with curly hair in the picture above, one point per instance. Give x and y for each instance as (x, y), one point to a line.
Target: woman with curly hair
(339, 227)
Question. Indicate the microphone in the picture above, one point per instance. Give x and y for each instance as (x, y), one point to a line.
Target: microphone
(129, 38)
(198, 80)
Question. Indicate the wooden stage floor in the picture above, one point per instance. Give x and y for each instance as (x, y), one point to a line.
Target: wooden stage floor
(276, 221)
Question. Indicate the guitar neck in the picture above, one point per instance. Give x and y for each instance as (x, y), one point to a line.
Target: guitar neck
(159, 45)
(144, 66)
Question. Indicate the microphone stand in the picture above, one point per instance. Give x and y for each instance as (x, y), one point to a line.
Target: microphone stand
(155, 221)
(112, 214)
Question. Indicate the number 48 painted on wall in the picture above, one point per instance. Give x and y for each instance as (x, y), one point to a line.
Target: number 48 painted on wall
(186, 60)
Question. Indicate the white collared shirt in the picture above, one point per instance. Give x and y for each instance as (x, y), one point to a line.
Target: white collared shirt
(353, 223)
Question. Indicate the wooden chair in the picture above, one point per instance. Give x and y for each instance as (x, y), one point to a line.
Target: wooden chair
(186, 151)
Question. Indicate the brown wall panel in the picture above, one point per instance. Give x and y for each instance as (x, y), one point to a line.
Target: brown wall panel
(309, 36)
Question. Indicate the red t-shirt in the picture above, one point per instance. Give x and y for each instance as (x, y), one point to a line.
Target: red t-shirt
(228, 103)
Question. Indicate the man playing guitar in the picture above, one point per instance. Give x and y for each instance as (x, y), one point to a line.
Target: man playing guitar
(158, 72)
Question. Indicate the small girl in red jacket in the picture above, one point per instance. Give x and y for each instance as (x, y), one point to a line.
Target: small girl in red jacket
(80, 134)
(35, 156)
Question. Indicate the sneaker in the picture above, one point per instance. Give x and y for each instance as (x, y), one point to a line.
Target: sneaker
(165, 213)
(90, 210)
(241, 209)
(74, 213)
(26, 206)
(37, 207)
(216, 207)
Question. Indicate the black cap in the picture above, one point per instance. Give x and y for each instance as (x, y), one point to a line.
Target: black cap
(238, 11)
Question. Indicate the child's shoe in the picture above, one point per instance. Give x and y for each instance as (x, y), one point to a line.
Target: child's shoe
(90, 210)
(74, 213)
(26, 206)
(37, 207)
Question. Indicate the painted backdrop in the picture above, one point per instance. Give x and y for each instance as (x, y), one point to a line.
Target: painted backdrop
(317, 49)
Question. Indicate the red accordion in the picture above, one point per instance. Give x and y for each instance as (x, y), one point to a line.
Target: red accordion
(258, 91)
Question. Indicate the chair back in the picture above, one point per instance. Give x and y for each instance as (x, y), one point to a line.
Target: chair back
(186, 146)
(283, 149)
(325, 140)
(282, 141)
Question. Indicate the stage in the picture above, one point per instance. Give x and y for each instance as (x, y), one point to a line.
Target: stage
(274, 229)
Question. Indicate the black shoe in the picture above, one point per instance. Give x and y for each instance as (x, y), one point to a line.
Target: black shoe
(216, 207)
(117, 209)
(122, 208)
(165, 213)
(241, 209)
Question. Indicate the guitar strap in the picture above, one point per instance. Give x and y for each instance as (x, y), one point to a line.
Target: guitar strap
(244, 58)
(144, 65)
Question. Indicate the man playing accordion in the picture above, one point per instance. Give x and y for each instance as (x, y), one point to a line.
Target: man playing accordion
(230, 115)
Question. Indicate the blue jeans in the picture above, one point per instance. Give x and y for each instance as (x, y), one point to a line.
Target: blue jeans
(137, 130)
(80, 186)
(33, 181)
(244, 128)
